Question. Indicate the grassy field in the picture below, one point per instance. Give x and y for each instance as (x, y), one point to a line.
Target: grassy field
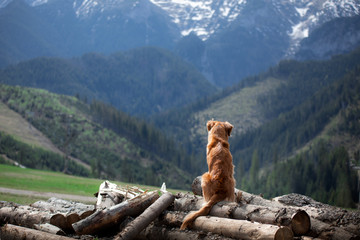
(20, 199)
(46, 181)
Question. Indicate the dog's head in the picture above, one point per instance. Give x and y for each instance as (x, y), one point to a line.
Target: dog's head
(220, 129)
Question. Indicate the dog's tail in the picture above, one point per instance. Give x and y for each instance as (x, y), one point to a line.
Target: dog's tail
(190, 218)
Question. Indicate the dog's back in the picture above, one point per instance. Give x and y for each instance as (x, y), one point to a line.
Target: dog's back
(218, 183)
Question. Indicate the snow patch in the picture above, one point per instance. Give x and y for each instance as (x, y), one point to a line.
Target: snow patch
(225, 11)
(201, 16)
(199, 31)
(299, 31)
(38, 2)
(302, 11)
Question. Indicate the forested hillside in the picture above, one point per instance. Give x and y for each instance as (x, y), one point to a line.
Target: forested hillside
(325, 131)
(115, 145)
(142, 81)
(258, 99)
(296, 107)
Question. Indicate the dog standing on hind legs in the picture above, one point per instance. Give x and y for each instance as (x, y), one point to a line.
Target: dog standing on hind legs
(218, 183)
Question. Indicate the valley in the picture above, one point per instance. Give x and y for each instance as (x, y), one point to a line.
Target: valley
(123, 90)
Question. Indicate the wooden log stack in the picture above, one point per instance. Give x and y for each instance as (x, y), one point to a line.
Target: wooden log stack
(155, 215)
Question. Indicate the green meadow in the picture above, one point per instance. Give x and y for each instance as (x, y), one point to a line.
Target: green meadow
(47, 181)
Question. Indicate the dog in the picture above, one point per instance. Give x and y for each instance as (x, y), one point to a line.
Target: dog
(218, 183)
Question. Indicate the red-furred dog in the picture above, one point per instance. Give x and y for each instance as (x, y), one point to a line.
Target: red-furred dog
(218, 183)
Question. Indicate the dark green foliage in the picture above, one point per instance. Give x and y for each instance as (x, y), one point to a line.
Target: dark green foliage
(321, 173)
(293, 129)
(38, 158)
(148, 137)
(303, 79)
(142, 81)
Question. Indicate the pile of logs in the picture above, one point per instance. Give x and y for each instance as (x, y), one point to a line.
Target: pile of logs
(130, 213)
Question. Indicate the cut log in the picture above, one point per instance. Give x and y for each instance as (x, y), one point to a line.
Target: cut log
(114, 215)
(24, 216)
(49, 228)
(348, 220)
(59, 220)
(163, 233)
(12, 232)
(60, 205)
(321, 223)
(326, 231)
(56, 205)
(297, 220)
(29, 216)
(238, 229)
(64, 212)
(65, 221)
(149, 215)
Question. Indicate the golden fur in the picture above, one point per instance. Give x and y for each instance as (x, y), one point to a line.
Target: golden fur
(218, 183)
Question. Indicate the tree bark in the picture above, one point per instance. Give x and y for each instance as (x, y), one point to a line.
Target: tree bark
(109, 217)
(324, 230)
(149, 215)
(163, 233)
(297, 220)
(348, 220)
(65, 221)
(56, 205)
(238, 229)
(12, 232)
(65, 213)
(49, 228)
(24, 216)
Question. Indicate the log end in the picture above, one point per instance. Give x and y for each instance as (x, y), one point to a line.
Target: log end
(284, 233)
(196, 186)
(58, 220)
(300, 223)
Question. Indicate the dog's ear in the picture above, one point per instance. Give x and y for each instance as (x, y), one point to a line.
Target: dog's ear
(210, 124)
(228, 127)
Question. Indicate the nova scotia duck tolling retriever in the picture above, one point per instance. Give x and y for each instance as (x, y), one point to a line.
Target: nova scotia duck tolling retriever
(218, 183)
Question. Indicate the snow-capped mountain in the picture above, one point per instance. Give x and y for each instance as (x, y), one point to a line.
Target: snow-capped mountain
(206, 17)
(67, 28)
(230, 39)
(203, 17)
(311, 14)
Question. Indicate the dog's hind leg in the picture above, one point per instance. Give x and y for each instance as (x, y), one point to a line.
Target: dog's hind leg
(207, 186)
(190, 218)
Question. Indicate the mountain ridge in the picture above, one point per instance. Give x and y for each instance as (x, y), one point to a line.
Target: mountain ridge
(243, 38)
(165, 81)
